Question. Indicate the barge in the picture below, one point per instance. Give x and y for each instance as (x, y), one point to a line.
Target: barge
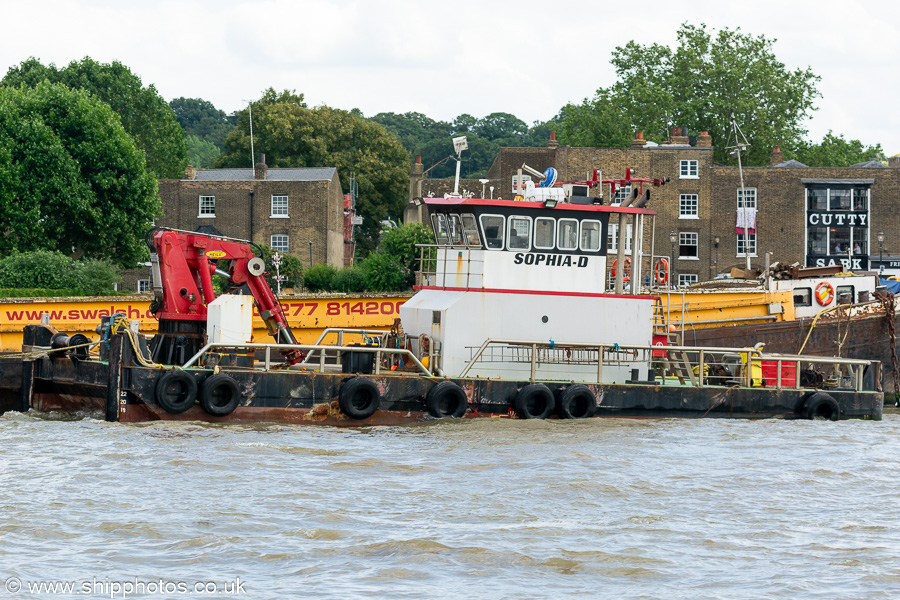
(512, 319)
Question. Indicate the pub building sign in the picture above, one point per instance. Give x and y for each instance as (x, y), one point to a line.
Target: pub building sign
(837, 224)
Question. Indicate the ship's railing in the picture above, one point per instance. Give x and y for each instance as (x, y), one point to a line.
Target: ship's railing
(433, 264)
(681, 365)
(322, 353)
(366, 335)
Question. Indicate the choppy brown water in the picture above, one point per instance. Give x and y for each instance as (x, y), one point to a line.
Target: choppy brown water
(663, 509)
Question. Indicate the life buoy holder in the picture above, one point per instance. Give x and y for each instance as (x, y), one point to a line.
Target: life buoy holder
(661, 271)
(626, 272)
(824, 293)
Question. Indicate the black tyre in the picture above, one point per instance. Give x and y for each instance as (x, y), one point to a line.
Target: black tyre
(220, 394)
(359, 398)
(176, 391)
(446, 399)
(534, 401)
(822, 406)
(576, 402)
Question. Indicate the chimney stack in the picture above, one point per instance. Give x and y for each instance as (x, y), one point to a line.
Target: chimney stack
(777, 157)
(894, 162)
(552, 143)
(704, 140)
(260, 169)
(190, 172)
(638, 140)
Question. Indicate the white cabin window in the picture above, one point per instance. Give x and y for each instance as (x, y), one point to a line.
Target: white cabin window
(590, 235)
(567, 234)
(803, 296)
(688, 169)
(441, 229)
(544, 232)
(455, 229)
(493, 228)
(518, 233)
(470, 229)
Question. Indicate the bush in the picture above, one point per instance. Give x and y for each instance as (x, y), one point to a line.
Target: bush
(400, 242)
(349, 280)
(384, 273)
(319, 278)
(51, 270)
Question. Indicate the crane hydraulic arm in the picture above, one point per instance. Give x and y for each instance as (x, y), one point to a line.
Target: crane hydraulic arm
(183, 266)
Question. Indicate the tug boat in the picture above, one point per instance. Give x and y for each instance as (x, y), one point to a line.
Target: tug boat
(518, 314)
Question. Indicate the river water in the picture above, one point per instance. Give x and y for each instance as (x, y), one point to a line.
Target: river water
(487, 508)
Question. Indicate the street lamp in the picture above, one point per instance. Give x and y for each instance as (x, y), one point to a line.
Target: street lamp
(673, 237)
(881, 252)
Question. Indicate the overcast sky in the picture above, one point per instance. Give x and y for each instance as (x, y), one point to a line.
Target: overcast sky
(443, 59)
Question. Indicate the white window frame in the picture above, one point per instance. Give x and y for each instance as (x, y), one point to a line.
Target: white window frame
(683, 236)
(278, 248)
(685, 168)
(686, 279)
(515, 180)
(620, 195)
(552, 237)
(502, 231)
(207, 211)
(612, 238)
(143, 285)
(509, 226)
(559, 226)
(599, 235)
(751, 198)
(684, 201)
(751, 241)
(280, 212)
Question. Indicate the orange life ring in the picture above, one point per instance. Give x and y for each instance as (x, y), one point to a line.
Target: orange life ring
(661, 271)
(824, 293)
(626, 273)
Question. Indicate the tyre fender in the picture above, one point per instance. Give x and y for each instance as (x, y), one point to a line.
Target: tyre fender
(359, 398)
(176, 391)
(822, 405)
(446, 399)
(534, 401)
(220, 394)
(575, 401)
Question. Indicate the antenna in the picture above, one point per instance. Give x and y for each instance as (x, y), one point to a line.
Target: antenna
(740, 146)
(252, 155)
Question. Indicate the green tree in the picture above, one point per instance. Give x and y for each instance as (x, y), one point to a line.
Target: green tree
(400, 244)
(293, 135)
(696, 85)
(201, 118)
(201, 153)
(144, 114)
(835, 151)
(384, 273)
(53, 270)
(349, 280)
(71, 178)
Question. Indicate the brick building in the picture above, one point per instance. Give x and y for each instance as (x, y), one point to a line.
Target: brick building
(814, 216)
(298, 210)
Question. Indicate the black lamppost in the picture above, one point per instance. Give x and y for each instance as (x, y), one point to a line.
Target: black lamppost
(881, 252)
(673, 237)
(310, 254)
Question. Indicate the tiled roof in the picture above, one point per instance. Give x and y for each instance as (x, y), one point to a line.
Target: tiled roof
(791, 164)
(870, 164)
(298, 174)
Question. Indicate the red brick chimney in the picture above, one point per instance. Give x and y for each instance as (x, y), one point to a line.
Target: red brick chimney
(190, 172)
(260, 169)
(638, 140)
(777, 157)
(552, 143)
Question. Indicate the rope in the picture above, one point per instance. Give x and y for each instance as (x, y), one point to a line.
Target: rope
(813, 324)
